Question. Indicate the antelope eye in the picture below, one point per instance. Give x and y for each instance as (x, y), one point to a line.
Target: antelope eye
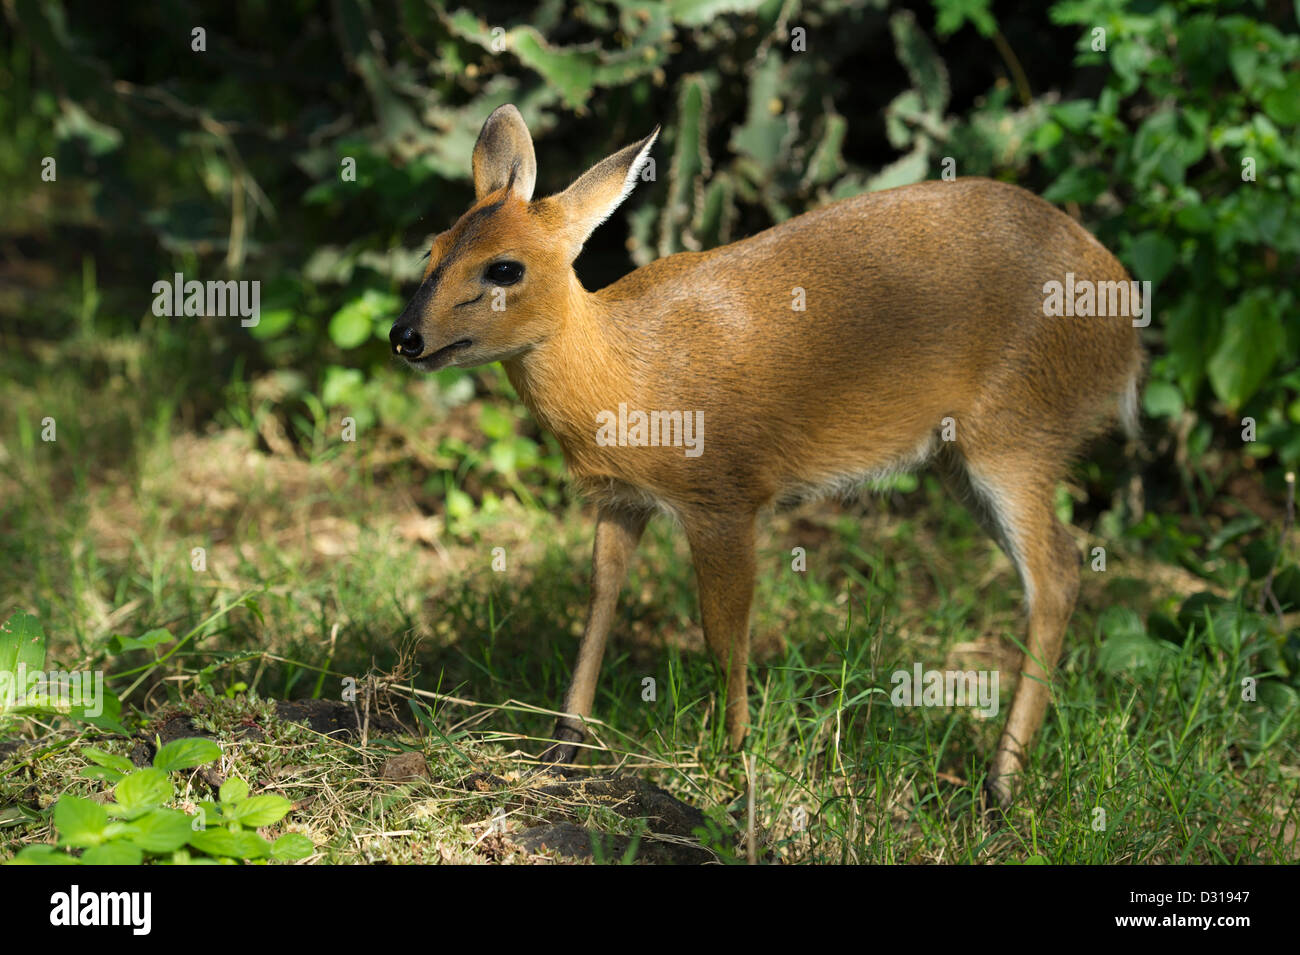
(504, 273)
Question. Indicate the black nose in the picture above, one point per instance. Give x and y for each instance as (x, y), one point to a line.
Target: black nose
(405, 340)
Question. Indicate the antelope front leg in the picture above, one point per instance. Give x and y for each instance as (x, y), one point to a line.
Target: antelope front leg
(617, 534)
(723, 554)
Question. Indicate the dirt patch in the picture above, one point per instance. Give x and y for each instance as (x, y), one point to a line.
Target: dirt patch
(405, 767)
(670, 824)
(333, 718)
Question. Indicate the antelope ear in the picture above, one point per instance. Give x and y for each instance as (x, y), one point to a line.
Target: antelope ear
(504, 155)
(601, 189)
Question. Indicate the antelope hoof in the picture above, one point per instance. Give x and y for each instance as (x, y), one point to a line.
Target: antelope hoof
(997, 795)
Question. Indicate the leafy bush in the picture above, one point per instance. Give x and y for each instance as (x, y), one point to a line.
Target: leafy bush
(1172, 134)
(137, 825)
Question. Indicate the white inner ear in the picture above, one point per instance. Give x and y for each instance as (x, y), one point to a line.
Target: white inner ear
(629, 183)
(634, 171)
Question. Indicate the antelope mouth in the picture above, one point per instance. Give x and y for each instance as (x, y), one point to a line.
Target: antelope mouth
(442, 356)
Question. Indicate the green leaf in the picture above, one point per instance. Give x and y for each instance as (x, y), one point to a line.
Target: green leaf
(1253, 341)
(1077, 184)
(113, 853)
(233, 790)
(292, 846)
(1231, 530)
(222, 842)
(119, 763)
(43, 855)
(160, 830)
(1283, 105)
(495, 423)
(1277, 697)
(902, 171)
(102, 772)
(260, 811)
(149, 641)
(76, 123)
(18, 816)
(1127, 646)
(459, 504)
(272, 323)
(186, 754)
(342, 386)
(1152, 256)
(350, 326)
(22, 641)
(143, 790)
(953, 13)
(359, 319)
(108, 719)
(1162, 400)
(80, 822)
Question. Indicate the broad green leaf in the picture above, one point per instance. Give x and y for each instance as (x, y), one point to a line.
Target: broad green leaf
(291, 846)
(43, 855)
(350, 326)
(233, 790)
(1127, 647)
(953, 13)
(148, 641)
(222, 842)
(1152, 256)
(1253, 341)
(144, 789)
(495, 423)
(1283, 105)
(80, 822)
(1081, 184)
(271, 323)
(119, 763)
(102, 772)
(1162, 400)
(160, 830)
(186, 754)
(22, 641)
(259, 811)
(113, 853)
(342, 386)
(359, 319)
(108, 715)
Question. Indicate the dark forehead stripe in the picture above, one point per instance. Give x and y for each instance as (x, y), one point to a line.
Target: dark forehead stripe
(464, 231)
(476, 216)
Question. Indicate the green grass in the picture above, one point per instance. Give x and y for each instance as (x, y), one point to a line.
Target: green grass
(342, 560)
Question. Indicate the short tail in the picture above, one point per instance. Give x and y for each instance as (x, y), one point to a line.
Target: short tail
(1130, 407)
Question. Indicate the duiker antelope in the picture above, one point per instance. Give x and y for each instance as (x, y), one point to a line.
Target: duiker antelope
(923, 311)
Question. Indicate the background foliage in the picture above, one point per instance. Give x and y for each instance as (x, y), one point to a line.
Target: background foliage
(227, 162)
(1177, 144)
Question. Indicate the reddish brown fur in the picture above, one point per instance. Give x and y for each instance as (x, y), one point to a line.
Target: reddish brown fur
(922, 303)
